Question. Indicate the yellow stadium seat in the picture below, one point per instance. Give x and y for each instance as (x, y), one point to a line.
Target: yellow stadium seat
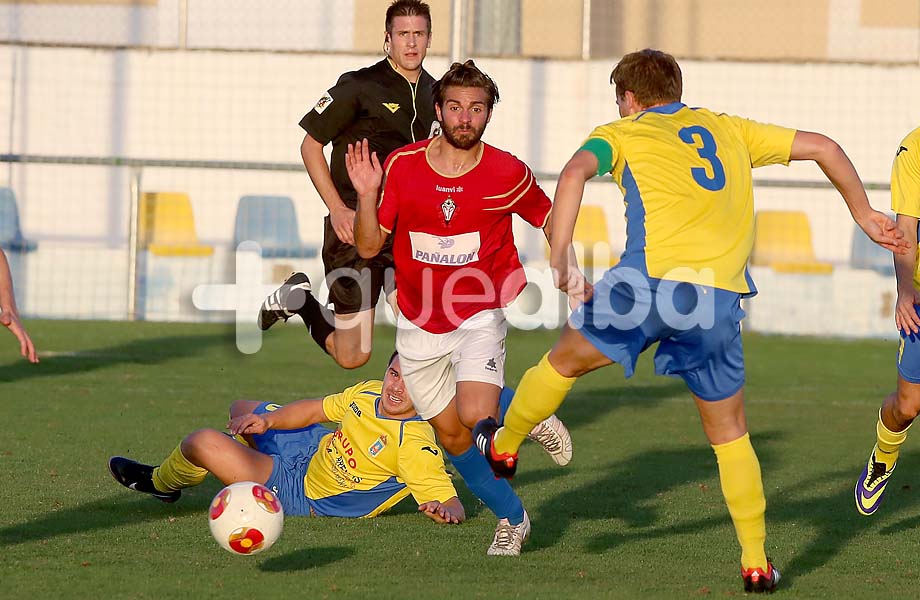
(782, 241)
(166, 226)
(591, 239)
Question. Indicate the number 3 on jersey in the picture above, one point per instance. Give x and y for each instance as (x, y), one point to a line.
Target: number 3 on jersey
(696, 135)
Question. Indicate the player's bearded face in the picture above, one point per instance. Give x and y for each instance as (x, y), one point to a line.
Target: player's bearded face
(463, 136)
(464, 116)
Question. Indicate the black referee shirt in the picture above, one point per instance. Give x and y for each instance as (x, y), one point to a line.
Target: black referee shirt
(376, 103)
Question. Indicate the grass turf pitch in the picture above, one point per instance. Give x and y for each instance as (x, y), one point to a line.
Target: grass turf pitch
(638, 512)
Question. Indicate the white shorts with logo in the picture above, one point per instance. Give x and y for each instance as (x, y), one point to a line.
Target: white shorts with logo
(433, 363)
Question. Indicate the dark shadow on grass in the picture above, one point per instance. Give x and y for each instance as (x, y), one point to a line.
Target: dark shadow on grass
(833, 517)
(585, 406)
(306, 558)
(150, 351)
(112, 511)
(132, 508)
(580, 408)
(472, 505)
(900, 492)
(906, 524)
(629, 491)
(831, 523)
(529, 477)
(830, 520)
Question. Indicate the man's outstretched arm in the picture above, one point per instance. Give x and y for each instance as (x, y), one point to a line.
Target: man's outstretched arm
(302, 413)
(880, 228)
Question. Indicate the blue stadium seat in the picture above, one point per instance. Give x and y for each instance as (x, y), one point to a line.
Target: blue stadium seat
(866, 254)
(271, 221)
(11, 238)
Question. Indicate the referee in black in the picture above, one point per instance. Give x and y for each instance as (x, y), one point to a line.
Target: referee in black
(390, 104)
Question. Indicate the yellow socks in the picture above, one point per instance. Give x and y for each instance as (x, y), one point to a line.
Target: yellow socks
(538, 396)
(742, 486)
(889, 443)
(177, 472)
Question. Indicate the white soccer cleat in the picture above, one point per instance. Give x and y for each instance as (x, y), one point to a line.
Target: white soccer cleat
(552, 434)
(509, 538)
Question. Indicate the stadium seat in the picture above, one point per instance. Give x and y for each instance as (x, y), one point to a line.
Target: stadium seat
(11, 238)
(866, 254)
(782, 241)
(167, 227)
(271, 221)
(591, 239)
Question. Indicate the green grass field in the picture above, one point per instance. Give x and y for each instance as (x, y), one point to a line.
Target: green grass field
(637, 514)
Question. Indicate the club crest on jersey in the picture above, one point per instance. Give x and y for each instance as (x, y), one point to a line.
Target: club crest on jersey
(447, 209)
(391, 106)
(378, 446)
(322, 103)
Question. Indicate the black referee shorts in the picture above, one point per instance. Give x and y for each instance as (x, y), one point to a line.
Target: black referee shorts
(354, 282)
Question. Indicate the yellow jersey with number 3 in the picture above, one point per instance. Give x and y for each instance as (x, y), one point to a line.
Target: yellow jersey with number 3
(905, 183)
(685, 174)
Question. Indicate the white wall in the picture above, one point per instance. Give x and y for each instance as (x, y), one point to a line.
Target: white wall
(229, 24)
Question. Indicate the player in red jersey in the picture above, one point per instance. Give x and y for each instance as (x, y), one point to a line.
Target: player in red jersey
(454, 238)
(448, 202)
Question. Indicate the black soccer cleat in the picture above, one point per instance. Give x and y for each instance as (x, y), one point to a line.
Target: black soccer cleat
(756, 581)
(503, 465)
(283, 303)
(139, 477)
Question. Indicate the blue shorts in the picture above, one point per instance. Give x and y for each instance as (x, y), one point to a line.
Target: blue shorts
(291, 451)
(698, 327)
(909, 356)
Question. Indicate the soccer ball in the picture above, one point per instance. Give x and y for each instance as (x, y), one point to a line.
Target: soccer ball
(246, 518)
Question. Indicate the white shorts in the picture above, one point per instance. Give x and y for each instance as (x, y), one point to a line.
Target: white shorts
(433, 363)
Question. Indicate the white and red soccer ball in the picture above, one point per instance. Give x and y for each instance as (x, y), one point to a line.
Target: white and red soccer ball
(246, 518)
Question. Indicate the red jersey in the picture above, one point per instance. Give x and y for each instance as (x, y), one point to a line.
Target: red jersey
(453, 246)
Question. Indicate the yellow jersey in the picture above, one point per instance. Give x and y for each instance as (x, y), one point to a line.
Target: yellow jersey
(905, 183)
(685, 175)
(371, 461)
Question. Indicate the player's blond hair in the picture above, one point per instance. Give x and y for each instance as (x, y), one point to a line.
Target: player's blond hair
(652, 76)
